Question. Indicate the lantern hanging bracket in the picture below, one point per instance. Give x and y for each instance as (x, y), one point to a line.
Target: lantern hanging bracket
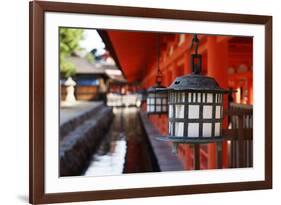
(159, 74)
(196, 59)
(195, 41)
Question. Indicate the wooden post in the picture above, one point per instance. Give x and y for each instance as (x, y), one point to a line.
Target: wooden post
(241, 161)
(188, 159)
(212, 156)
(197, 156)
(219, 155)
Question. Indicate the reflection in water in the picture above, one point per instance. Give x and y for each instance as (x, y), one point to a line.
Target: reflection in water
(111, 163)
(125, 148)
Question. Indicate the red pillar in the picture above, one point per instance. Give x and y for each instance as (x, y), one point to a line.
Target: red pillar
(187, 63)
(188, 157)
(217, 62)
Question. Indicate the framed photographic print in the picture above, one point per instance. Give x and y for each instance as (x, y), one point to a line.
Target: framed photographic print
(132, 102)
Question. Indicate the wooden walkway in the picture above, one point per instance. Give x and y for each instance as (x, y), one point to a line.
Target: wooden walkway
(167, 161)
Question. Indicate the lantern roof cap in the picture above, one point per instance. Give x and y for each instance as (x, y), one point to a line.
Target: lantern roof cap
(195, 82)
(155, 87)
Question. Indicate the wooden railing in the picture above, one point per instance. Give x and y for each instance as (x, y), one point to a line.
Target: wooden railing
(240, 135)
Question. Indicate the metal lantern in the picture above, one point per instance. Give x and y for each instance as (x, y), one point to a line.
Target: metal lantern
(157, 102)
(195, 109)
(195, 106)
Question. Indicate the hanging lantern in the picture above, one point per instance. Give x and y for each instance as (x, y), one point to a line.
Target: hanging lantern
(157, 102)
(195, 109)
(195, 106)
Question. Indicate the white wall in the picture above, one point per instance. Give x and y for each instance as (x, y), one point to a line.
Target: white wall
(14, 99)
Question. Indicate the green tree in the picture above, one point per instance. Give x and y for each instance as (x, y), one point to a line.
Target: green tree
(69, 43)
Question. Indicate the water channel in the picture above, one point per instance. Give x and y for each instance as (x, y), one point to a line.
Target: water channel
(125, 148)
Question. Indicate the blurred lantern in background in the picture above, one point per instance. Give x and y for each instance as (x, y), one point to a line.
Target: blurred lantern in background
(157, 101)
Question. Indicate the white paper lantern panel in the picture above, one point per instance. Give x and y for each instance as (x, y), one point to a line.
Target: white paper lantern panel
(217, 129)
(198, 97)
(158, 108)
(179, 111)
(179, 129)
(207, 112)
(193, 129)
(171, 128)
(218, 112)
(193, 111)
(209, 97)
(171, 111)
(207, 130)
